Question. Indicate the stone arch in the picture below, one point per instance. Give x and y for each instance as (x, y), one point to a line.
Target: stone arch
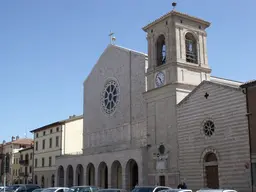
(79, 175)
(103, 175)
(211, 172)
(209, 150)
(42, 181)
(191, 48)
(90, 174)
(60, 177)
(160, 50)
(70, 176)
(116, 175)
(132, 172)
(53, 180)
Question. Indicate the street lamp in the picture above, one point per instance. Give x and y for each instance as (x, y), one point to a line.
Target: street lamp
(5, 171)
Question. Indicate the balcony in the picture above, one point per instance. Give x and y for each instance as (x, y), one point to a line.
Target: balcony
(21, 174)
(24, 162)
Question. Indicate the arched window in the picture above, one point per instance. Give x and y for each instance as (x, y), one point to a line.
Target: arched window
(161, 50)
(191, 48)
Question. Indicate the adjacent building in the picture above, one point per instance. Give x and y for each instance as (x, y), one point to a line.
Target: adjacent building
(53, 140)
(160, 118)
(26, 165)
(250, 91)
(16, 168)
(213, 137)
(8, 149)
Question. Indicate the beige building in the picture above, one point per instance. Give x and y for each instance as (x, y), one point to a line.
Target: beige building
(144, 116)
(16, 168)
(8, 149)
(26, 165)
(59, 138)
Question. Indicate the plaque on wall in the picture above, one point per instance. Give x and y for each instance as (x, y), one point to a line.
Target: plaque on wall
(160, 165)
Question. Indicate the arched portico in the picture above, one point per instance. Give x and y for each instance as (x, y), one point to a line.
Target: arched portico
(103, 175)
(90, 174)
(60, 177)
(70, 176)
(79, 175)
(132, 172)
(116, 175)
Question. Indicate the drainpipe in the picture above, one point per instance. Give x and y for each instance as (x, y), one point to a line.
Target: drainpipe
(245, 91)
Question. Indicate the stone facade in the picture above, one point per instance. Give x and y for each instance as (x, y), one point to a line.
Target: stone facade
(133, 131)
(228, 139)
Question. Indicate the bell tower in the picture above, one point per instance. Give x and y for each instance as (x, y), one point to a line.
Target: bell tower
(177, 52)
(177, 63)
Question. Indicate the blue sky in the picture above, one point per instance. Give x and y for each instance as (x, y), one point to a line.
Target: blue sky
(47, 48)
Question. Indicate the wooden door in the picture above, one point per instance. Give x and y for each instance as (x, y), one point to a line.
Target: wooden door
(212, 176)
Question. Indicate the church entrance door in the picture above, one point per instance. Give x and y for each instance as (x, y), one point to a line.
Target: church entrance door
(211, 171)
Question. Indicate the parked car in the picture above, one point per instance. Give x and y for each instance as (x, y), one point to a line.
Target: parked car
(38, 190)
(112, 190)
(83, 189)
(22, 188)
(149, 188)
(56, 189)
(216, 190)
(176, 190)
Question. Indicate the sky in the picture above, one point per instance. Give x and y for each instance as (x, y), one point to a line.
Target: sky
(48, 48)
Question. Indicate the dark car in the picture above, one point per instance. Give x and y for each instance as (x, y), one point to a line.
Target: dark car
(22, 188)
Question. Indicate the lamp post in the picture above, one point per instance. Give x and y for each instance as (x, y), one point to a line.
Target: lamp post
(4, 171)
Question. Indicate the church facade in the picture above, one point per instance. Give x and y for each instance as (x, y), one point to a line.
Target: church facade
(147, 123)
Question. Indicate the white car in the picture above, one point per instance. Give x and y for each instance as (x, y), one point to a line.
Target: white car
(150, 188)
(177, 190)
(56, 189)
(216, 190)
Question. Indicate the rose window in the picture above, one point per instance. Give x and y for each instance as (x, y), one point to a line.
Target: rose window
(209, 128)
(110, 97)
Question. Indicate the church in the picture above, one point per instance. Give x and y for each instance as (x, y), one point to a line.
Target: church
(161, 118)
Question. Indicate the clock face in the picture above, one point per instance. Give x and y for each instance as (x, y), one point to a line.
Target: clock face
(160, 79)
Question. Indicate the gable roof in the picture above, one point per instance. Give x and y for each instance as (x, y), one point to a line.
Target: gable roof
(176, 13)
(248, 84)
(111, 46)
(203, 83)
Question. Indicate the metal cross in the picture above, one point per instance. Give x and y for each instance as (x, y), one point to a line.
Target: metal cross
(112, 38)
(206, 95)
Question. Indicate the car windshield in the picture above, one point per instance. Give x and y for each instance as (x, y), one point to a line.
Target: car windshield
(80, 189)
(143, 189)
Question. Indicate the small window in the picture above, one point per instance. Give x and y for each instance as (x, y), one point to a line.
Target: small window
(30, 169)
(42, 162)
(36, 135)
(50, 143)
(57, 129)
(35, 162)
(44, 133)
(36, 145)
(43, 146)
(57, 141)
(50, 161)
(51, 131)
